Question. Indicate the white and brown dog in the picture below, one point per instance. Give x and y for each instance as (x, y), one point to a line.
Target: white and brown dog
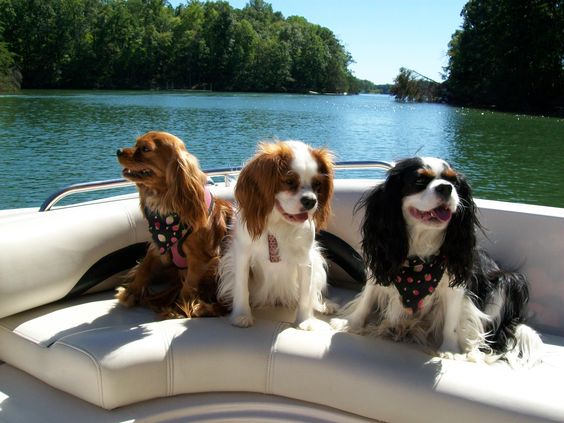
(283, 194)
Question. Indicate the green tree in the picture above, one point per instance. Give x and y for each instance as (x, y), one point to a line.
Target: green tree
(148, 44)
(509, 54)
(191, 51)
(272, 70)
(10, 77)
(219, 36)
(244, 56)
(412, 86)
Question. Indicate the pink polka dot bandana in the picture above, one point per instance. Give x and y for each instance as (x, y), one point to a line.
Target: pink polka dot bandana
(419, 279)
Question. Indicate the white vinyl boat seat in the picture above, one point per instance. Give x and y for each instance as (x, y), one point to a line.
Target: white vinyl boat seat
(110, 356)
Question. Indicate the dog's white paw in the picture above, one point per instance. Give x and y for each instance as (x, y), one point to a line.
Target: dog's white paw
(346, 325)
(341, 325)
(449, 349)
(328, 307)
(314, 324)
(242, 320)
(446, 355)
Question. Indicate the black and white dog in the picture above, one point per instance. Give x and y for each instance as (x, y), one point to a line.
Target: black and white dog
(428, 281)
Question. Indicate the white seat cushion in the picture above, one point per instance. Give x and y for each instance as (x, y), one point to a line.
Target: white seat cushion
(112, 356)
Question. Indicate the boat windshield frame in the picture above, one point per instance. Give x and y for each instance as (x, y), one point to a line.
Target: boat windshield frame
(227, 176)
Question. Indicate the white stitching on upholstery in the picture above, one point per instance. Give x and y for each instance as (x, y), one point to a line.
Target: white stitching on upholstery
(22, 335)
(270, 363)
(96, 364)
(168, 359)
(170, 366)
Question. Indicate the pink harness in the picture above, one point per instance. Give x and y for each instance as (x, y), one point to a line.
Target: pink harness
(169, 233)
(273, 252)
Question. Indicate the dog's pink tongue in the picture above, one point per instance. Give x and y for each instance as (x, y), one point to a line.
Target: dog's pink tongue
(442, 213)
(300, 217)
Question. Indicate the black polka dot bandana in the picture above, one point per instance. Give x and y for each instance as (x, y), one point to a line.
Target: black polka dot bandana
(418, 279)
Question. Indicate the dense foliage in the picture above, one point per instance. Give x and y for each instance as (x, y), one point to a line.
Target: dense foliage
(149, 44)
(509, 54)
(411, 86)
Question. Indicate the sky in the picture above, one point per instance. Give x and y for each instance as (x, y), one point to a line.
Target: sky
(382, 35)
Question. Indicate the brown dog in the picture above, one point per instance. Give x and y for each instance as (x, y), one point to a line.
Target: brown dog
(187, 224)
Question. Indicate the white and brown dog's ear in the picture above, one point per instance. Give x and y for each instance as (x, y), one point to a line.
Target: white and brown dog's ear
(186, 184)
(324, 182)
(258, 183)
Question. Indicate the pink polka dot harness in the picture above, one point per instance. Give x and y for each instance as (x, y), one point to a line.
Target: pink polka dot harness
(418, 279)
(169, 233)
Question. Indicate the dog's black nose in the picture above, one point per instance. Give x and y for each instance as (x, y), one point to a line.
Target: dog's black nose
(308, 201)
(444, 190)
(119, 152)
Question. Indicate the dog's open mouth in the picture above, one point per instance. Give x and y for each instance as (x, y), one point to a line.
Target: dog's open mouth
(439, 214)
(136, 174)
(294, 218)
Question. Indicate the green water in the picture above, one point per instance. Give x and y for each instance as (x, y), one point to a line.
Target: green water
(51, 139)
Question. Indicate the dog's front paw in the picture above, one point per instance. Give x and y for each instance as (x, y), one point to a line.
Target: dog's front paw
(314, 324)
(328, 307)
(449, 349)
(241, 320)
(341, 325)
(125, 297)
(346, 325)
(447, 355)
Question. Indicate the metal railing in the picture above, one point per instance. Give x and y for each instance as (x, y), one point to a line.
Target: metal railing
(225, 173)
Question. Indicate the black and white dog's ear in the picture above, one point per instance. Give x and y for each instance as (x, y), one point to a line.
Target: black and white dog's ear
(460, 238)
(384, 235)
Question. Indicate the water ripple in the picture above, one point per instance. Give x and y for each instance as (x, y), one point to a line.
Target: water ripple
(54, 138)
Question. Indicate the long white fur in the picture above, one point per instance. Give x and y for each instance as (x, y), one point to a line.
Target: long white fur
(449, 316)
(249, 280)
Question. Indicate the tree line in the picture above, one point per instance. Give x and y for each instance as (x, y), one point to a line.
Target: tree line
(508, 54)
(150, 44)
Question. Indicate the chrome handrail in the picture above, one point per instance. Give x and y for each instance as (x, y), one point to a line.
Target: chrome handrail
(222, 172)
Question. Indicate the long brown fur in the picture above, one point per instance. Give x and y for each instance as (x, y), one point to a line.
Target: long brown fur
(263, 176)
(325, 165)
(258, 182)
(172, 181)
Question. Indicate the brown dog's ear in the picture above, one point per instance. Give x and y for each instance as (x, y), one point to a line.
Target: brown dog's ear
(257, 184)
(325, 167)
(186, 184)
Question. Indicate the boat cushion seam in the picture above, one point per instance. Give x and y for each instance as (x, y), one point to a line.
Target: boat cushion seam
(22, 335)
(96, 365)
(271, 360)
(169, 364)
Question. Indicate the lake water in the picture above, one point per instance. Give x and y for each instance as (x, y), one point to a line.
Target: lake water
(51, 139)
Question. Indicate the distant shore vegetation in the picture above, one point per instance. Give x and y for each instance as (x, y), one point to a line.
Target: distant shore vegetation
(508, 55)
(149, 44)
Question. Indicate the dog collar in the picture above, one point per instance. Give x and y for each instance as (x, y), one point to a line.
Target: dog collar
(273, 252)
(418, 279)
(169, 233)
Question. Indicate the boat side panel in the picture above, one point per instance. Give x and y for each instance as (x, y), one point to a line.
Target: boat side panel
(45, 254)
(530, 239)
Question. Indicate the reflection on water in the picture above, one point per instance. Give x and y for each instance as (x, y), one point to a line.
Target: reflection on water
(54, 138)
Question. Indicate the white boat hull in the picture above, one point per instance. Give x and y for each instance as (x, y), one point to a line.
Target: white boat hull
(87, 358)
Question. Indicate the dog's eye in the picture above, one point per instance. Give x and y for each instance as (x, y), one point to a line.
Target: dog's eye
(290, 183)
(145, 149)
(450, 178)
(316, 186)
(422, 180)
